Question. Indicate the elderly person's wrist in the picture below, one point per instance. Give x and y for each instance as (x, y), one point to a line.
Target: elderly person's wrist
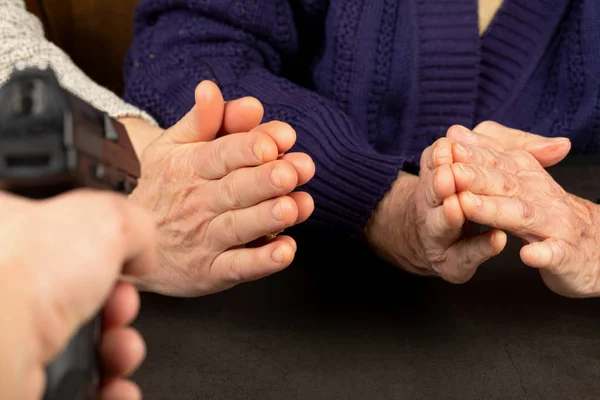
(140, 132)
(389, 222)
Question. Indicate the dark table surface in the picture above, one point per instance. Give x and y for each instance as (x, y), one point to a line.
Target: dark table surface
(339, 324)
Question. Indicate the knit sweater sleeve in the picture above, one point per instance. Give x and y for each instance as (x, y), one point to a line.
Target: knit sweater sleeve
(22, 41)
(242, 45)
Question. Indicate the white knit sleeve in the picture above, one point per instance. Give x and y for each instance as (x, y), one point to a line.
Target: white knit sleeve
(22, 40)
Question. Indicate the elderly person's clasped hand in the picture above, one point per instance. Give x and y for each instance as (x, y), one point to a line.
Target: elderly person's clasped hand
(490, 176)
(432, 235)
(510, 190)
(218, 184)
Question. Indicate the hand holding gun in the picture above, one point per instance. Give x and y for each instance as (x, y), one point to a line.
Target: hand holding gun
(52, 142)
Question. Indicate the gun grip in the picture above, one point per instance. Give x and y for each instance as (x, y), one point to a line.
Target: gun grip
(75, 373)
(52, 141)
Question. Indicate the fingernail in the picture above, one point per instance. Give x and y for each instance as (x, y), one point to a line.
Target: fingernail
(460, 149)
(467, 171)
(544, 144)
(277, 255)
(276, 178)
(475, 199)
(295, 245)
(277, 212)
(560, 142)
(258, 152)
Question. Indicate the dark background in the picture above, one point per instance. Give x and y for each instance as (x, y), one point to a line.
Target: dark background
(339, 324)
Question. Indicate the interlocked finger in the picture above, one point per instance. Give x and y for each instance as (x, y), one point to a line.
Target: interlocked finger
(465, 257)
(247, 187)
(524, 219)
(488, 158)
(439, 153)
(216, 159)
(239, 227)
(485, 181)
(248, 264)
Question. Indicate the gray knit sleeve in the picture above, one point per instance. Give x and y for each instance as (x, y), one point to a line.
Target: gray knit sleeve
(22, 40)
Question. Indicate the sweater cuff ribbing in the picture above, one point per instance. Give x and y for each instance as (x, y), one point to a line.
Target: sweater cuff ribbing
(351, 178)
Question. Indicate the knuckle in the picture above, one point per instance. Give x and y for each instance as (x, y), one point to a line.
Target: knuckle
(487, 181)
(231, 229)
(491, 158)
(427, 157)
(215, 158)
(115, 224)
(431, 197)
(453, 274)
(484, 178)
(455, 129)
(558, 251)
(521, 134)
(528, 214)
(263, 143)
(261, 139)
(442, 152)
(104, 211)
(459, 273)
(510, 164)
(509, 186)
(287, 174)
(438, 260)
(525, 158)
(229, 192)
(233, 269)
(457, 278)
(486, 126)
(590, 277)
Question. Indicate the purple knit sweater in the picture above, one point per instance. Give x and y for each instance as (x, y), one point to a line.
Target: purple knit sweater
(369, 84)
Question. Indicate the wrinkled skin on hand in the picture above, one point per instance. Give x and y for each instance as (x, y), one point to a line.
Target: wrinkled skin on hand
(214, 195)
(510, 190)
(420, 225)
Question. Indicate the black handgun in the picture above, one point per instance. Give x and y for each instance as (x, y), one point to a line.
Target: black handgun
(51, 142)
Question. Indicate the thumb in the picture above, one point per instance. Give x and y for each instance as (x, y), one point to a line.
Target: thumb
(203, 122)
(560, 267)
(547, 151)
